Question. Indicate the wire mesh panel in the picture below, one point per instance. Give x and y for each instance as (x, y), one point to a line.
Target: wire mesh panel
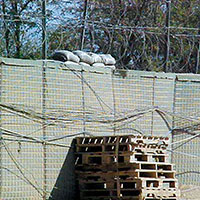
(98, 102)
(45, 104)
(1, 140)
(133, 94)
(186, 141)
(21, 107)
(143, 92)
(64, 113)
(164, 100)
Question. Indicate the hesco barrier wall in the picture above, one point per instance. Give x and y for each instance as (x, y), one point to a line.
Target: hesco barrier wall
(45, 104)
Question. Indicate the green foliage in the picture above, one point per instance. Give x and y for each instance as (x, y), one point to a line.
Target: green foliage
(14, 28)
(133, 31)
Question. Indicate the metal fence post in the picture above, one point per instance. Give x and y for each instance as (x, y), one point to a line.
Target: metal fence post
(167, 36)
(44, 32)
(1, 135)
(44, 83)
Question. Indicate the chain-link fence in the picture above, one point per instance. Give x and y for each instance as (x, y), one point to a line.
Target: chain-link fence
(45, 104)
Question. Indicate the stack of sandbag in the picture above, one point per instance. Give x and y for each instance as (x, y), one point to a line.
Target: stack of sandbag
(85, 58)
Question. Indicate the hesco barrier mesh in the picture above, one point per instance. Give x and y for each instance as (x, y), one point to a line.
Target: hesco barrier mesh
(45, 104)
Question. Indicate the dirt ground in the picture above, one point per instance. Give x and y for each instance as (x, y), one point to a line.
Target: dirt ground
(190, 192)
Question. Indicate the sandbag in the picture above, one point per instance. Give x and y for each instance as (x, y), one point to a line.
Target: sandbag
(110, 67)
(96, 57)
(98, 65)
(64, 55)
(71, 63)
(108, 59)
(84, 57)
(84, 64)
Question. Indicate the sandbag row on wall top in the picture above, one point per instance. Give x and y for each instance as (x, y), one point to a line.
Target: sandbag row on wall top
(85, 58)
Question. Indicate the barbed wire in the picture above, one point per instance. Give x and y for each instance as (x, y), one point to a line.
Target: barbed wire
(27, 17)
(134, 45)
(140, 46)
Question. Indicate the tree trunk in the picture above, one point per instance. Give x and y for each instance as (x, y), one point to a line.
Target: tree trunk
(6, 29)
(17, 28)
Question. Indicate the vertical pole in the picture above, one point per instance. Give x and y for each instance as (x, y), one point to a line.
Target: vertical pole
(6, 29)
(84, 24)
(198, 51)
(114, 102)
(173, 118)
(167, 36)
(44, 83)
(197, 62)
(17, 28)
(44, 32)
(81, 48)
(1, 135)
(83, 103)
(153, 104)
(117, 159)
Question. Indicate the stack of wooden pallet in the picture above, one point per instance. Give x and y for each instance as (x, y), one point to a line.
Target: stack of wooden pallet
(125, 167)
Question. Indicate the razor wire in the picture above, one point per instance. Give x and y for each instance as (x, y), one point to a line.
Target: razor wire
(127, 30)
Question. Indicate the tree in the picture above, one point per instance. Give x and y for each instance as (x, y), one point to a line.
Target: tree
(108, 31)
(21, 27)
(142, 46)
(15, 27)
(133, 31)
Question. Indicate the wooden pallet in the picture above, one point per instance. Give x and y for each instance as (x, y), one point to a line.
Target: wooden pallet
(125, 167)
(139, 183)
(159, 183)
(121, 157)
(153, 198)
(107, 167)
(160, 193)
(111, 184)
(103, 193)
(122, 139)
(99, 176)
(122, 143)
(112, 198)
(127, 193)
